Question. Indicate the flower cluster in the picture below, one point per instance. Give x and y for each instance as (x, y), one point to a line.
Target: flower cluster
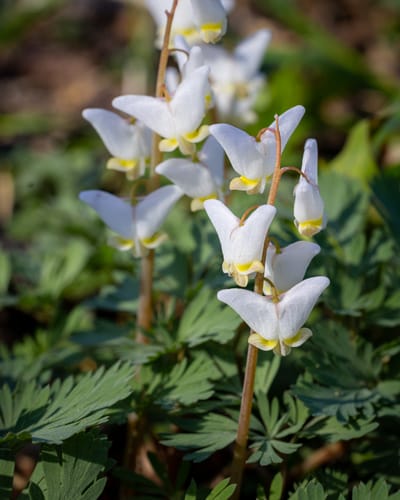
(209, 77)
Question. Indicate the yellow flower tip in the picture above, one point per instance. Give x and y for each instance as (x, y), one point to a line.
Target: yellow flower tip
(256, 340)
(198, 203)
(121, 165)
(299, 338)
(154, 241)
(211, 32)
(167, 145)
(120, 243)
(250, 267)
(244, 184)
(197, 135)
(310, 227)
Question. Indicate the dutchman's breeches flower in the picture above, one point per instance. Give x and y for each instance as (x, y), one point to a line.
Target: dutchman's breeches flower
(128, 143)
(309, 216)
(277, 325)
(201, 180)
(136, 226)
(241, 241)
(254, 159)
(285, 267)
(177, 119)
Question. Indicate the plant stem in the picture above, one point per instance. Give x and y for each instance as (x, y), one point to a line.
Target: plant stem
(145, 309)
(240, 450)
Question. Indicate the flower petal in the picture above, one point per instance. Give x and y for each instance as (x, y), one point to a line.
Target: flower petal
(152, 111)
(250, 52)
(224, 222)
(212, 155)
(116, 133)
(210, 18)
(188, 103)
(154, 208)
(297, 304)
(288, 267)
(255, 310)
(248, 239)
(115, 212)
(241, 150)
(193, 178)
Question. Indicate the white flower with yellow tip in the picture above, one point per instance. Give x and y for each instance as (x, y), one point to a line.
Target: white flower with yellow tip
(128, 143)
(235, 77)
(241, 241)
(136, 225)
(177, 119)
(277, 325)
(195, 20)
(254, 158)
(309, 216)
(202, 179)
(285, 267)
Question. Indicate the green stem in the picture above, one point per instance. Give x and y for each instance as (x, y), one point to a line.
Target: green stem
(240, 449)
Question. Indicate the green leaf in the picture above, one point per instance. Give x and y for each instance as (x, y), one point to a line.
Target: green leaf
(70, 471)
(335, 430)
(205, 318)
(276, 489)
(356, 159)
(54, 413)
(208, 435)
(309, 491)
(370, 491)
(6, 472)
(385, 188)
(223, 491)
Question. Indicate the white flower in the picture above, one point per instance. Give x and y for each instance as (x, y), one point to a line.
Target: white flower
(137, 226)
(277, 325)
(210, 19)
(200, 180)
(255, 159)
(287, 266)
(235, 78)
(177, 119)
(128, 143)
(195, 20)
(241, 242)
(309, 216)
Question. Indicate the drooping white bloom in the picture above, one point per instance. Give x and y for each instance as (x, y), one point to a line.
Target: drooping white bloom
(286, 266)
(309, 216)
(137, 226)
(195, 20)
(255, 159)
(241, 241)
(235, 77)
(178, 119)
(128, 143)
(278, 325)
(201, 180)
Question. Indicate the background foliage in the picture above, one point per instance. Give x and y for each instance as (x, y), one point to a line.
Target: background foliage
(325, 419)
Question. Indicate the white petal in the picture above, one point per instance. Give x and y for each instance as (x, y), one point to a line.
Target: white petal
(241, 150)
(224, 222)
(207, 14)
(195, 61)
(288, 122)
(250, 52)
(115, 212)
(309, 164)
(116, 133)
(257, 311)
(193, 178)
(248, 240)
(188, 103)
(152, 111)
(297, 304)
(212, 155)
(154, 208)
(287, 268)
(172, 79)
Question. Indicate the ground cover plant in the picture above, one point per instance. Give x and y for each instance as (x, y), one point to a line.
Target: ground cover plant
(200, 275)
